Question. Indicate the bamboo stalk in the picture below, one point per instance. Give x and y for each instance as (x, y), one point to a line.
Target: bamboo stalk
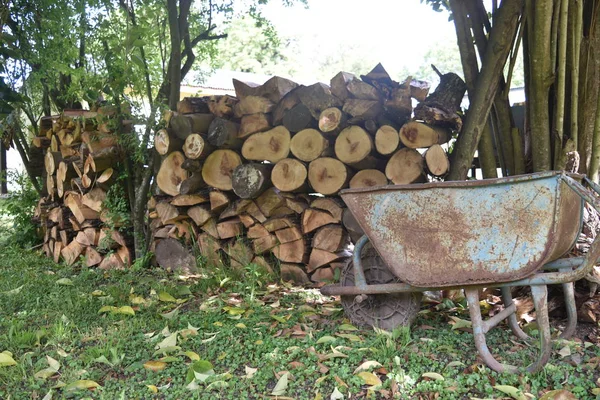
(559, 119)
(595, 162)
(577, 33)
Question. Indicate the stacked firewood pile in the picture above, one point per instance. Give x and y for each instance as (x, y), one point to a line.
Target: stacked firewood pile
(81, 154)
(256, 178)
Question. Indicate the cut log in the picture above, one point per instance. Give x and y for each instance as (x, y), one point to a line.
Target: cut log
(239, 251)
(317, 97)
(185, 200)
(252, 105)
(250, 180)
(199, 214)
(364, 109)
(319, 258)
(332, 120)
(166, 142)
(313, 219)
(289, 175)
(387, 140)
(230, 229)
(223, 134)
(294, 252)
(353, 145)
(222, 106)
(293, 273)
(264, 244)
(257, 231)
(170, 175)
(196, 147)
(362, 90)
(218, 168)
(269, 201)
(288, 234)
(193, 105)
(328, 175)
(92, 257)
(193, 184)
(272, 145)
(419, 89)
(184, 125)
(405, 166)
(331, 238)
(297, 118)
(415, 135)
(254, 123)
(172, 255)
(331, 205)
(308, 145)
(339, 85)
(436, 160)
(368, 178)
(218, 201)
(72, 252)
(51, 161)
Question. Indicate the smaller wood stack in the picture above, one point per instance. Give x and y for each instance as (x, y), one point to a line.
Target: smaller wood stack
(81, 154)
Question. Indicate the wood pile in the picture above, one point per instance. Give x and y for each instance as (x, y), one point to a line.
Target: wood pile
(255, 178)
(81, 154)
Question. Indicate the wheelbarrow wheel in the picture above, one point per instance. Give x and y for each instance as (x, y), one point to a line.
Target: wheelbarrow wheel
(385, 311)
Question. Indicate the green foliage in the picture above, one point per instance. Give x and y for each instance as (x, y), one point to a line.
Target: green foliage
(116, 205)
(17, 226)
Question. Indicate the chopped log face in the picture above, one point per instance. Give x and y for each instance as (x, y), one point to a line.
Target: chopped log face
(239, 251)
(193, 105)
(288, 234)
(223, 134)
(285, 104)
(332, 238)
(250, 180)
(254, 123)
(289, 175)
(167, 213)
(405, 166)
(196, 147)
(170, 175)
(328, 175)
(235, 208)
(313, 219)
(415, 135)
(51, 161)
(230, 229)
(97, 141)
(218, 201)
(339, 85)
(210, 249)
(264, 243)
(184, 125)
(257, 231)
(436, 160)
(294, 252)
(218, 168)
(269, 201)
(275, 224)
(199, 214)
(332, 120)
(186, 200)
(94, 199)
(72, 252)
(368, 178)
(297, 118)
(272, 145)
(387, 140)
(246, 219)
(319, 257)
(165, 143)
(92, 257)
(364, 109)
(331, 205)
(353, 145)
(210, 227)
(308, 145)
(293, 273)
(317, 97)
(362, 90)
(253, 105)
(255, 212)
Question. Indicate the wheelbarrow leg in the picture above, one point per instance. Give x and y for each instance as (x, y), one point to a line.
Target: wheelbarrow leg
(569, 293)
(540, 299)
(512, 318)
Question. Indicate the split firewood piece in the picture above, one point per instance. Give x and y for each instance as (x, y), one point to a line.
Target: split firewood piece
(405, 166)
(261, 262)
(286, 103)
(58, 246)
(80, 211)
(230, 228)
(166, 142)
(96, 141)
(218, 168)
(72, 252)
(387, 140)
(40, 142)
(362, 90)
(294, 252)
(86, 181)
(297, 118)
(436, 160)
(441, 106)
(184, 125)
(254, 123)
(333, 206)
(54, 145)
(235, 208)
(272, 145)
(415, 135)
(167, 213)
(51, 161)
(332, 238)
(364, 109)
(323, 275)
(210, 227)
(328, 175)
(88, 237)
(124, 254)
(199, 214)
(223, 134)
(398, 105)
(353, 145)
(103, 159)
(50, 185)
(186, 200)
(252, 105)
(269, 201)
(332, 120)
(170, 175)
(319, 258)
(293, 273)
(317, 97)
(283, 211)
(111, 239)
(218, 201)
(247, 220)
(253, 210)
(239, 251)
(313, 219)
(257, 231)
(289, 175)
(274, 89)
(196, 147)
(210, 249)
(192, 165)
(193, 105)
(277, 223)
(264, 244)
(288, 234)
(172, 255)
(94, 199)
(368, 178)
(222, 106)
(105, 176)
(339, 85)
(296, 203)
(419, 89)
(308, 145)
(193, 184)
(92, 257)
(250, 180)
(111, 261)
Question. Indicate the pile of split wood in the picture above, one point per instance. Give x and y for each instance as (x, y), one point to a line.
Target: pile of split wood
(81, 152)
(256, 178)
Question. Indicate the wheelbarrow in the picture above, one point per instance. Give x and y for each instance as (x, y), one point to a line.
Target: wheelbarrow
(503, 233)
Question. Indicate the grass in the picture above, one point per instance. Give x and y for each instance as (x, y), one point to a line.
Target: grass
(248, 337)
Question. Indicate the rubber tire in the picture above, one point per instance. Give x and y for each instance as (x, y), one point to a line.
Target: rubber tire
(384, 311)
